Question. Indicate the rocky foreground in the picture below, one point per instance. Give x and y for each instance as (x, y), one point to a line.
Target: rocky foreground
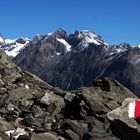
(30, 109)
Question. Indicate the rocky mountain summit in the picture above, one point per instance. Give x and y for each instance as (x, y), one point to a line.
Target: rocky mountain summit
(69, 61)
(30, 109)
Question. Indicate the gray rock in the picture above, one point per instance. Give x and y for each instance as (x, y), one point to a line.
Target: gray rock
(72, 135)
(123, 126)
(54, 102)
(96, 126)
(33, 122)
(5, 126)
(19, 94)
(45, 136)
(78, 127)
(3, 136)
(38, 111)
(10, 107)
(69, 96)
(121, 114)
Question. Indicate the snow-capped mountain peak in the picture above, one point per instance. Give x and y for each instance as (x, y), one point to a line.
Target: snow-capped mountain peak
(86, 38)
(13, 46)
(10, 41)
(90, 37)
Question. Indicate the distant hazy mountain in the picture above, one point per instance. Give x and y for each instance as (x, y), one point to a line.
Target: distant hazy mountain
(70, 61)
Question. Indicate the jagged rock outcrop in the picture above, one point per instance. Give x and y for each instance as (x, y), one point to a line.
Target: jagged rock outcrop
(30, 109)
(70, 61)
(21, 40)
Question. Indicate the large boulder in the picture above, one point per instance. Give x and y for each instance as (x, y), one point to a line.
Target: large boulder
(123, 126)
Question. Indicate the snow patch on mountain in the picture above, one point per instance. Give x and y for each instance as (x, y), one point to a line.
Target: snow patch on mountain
(13, 46)
(64, 42)
(90, 37)
(137, 61)
(87, 38)
(9, 41)
(116, 49)
(49, 34)
(58, 53)
(91, 40)
(13, 50)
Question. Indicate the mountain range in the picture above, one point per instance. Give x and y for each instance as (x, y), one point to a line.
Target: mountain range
(69, 61)
(31, 109)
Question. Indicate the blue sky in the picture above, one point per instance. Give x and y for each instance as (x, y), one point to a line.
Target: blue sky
(115, 20)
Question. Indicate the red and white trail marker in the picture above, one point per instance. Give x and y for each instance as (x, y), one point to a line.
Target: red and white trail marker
(134, 109)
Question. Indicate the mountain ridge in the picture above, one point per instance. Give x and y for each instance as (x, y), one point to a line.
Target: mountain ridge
(70, 61)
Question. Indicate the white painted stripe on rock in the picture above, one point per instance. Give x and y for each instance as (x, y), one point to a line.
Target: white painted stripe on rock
(9, 132)
(131, 110)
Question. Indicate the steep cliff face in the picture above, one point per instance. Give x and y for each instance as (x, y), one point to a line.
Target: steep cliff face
(32, 109)
(126, 69)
